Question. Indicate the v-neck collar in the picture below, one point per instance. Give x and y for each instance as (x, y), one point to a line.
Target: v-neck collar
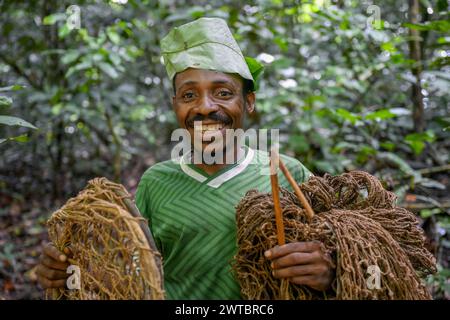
(217, 179)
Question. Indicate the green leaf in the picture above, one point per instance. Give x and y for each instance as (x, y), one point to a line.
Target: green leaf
(70, 56)
(400, 163)
(343, 145)
(299, 143)
(21, 138)
(344, 25)
(12, 88)
(282, 63)
(108, 69)
(78, 67)
(282, 43)
(417, 140)
(387, 145)
(389, 47)
(426, 213)
(113, 36)
(56, 109)
(5, 101)
(115, 59)
(64, 31)
(365, 153)
(417, 146)
(380, 115)
(14, 121)
(346, 115)
(256, 68)
(324, 166)
(437, 25)
(53, 18)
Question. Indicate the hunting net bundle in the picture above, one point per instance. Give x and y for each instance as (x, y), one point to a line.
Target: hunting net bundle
(110, 243)
(359, 225)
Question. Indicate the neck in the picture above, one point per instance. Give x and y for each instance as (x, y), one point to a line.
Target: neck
(211, 169)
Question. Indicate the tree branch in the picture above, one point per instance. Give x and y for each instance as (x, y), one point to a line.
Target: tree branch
(20, 72)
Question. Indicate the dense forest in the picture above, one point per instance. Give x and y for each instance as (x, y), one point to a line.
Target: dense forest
(350, 84)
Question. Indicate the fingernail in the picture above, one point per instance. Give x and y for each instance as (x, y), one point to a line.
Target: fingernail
(272, 265)
(62, 258)
(267, 254)
(273, 273)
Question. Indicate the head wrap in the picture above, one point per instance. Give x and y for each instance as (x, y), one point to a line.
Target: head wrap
(207, 43)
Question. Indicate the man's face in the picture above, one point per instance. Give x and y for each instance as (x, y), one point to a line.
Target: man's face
(213, 99)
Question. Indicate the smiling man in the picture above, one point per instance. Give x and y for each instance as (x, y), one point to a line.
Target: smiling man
(190, 204)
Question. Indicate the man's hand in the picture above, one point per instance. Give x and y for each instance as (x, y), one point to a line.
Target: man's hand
(51, 270)
(302, 263)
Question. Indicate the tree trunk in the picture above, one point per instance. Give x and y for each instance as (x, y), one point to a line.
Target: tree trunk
(415, 54)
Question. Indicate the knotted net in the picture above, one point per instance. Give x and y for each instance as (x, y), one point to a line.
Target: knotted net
(358, 224)
(110, 244)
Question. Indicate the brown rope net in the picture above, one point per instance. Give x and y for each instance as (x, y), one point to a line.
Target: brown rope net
(359, 225)
(110, 243)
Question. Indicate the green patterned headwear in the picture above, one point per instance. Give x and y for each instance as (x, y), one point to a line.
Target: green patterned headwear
(207, 43)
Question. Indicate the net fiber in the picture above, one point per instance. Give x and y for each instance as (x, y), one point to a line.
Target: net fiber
(358, 224)
(110, 243)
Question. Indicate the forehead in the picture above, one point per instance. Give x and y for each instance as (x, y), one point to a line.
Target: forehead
(202, 76)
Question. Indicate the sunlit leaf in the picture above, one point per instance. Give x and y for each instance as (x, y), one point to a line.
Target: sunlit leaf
(437, 25)
(14, 121)
(347, 115)
(53, 18)
(379, 115)
(5, 101)
(108, 69)
(12, 88)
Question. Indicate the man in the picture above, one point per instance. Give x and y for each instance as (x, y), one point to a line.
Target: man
(191, 206)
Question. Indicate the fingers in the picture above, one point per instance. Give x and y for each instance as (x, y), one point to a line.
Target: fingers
(317, 269)
(296, 258)
(50, 274)
(51, 271)
(53, 264)
(57, 255)
(46, 283)
(303, 263)
(295, 271)
(283, 250)
(51, 278)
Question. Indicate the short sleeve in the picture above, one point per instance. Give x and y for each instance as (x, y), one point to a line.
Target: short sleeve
(142, 199)
(302, 173)
(143, 203)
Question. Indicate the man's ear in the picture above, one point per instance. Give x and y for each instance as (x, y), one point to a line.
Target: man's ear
(250, 102)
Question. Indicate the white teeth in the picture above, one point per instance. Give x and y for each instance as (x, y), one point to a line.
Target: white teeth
(209, 127)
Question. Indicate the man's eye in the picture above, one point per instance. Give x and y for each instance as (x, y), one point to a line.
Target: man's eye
(225, 93)
(188, 95)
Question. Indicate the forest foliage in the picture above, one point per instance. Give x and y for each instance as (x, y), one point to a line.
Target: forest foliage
(350, 84)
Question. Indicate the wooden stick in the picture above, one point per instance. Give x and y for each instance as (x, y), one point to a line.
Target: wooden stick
(134, 211)
(435, 169)
(419, 206)
(276, 197)
(298, 192)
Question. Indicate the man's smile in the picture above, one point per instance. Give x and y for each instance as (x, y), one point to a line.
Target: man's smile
(208, 130)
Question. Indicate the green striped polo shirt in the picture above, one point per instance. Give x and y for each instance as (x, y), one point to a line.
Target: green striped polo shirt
(192, 218)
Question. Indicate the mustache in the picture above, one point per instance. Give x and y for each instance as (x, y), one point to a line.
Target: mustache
(214, 116)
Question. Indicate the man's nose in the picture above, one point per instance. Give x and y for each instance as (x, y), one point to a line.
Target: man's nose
(206, 106)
